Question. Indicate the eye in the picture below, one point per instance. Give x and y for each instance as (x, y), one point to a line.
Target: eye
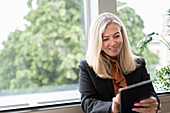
(117, 36)
(105, 39)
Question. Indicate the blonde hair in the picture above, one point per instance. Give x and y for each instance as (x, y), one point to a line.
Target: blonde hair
(96, 58)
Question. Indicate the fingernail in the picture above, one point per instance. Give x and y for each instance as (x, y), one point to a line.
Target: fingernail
(142, 101)
(136, 104)
(133, 109)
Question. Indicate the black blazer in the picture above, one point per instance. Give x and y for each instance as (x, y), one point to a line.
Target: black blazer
(97, 93)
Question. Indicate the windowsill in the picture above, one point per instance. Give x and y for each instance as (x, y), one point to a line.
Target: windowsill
(42, 108)
(163, 93)
(39, 101)
(45, 101)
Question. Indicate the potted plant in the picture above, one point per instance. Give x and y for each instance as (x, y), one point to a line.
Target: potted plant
(162, 78)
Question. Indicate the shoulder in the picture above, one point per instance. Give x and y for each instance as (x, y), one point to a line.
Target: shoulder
(139, 74)
(140, 61)
(83, 64)
(86, 70)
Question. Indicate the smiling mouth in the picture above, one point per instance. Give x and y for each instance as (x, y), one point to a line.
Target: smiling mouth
(113, 49)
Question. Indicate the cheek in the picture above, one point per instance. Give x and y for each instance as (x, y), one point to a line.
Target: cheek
(103, 45)
(121, 41)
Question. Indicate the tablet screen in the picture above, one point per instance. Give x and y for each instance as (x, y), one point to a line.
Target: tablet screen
(134, 93)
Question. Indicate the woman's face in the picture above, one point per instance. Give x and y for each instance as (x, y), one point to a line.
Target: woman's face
(112, 40)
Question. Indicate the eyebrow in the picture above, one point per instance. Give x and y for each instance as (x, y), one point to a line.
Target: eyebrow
(116, 33)
(113, 34)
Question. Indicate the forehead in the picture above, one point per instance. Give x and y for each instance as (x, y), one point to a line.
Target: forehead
(111, 28)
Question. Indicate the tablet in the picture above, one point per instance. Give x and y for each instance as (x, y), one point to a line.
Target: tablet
(134, 93)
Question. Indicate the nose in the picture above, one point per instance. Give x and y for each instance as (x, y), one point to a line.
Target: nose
(113, 41)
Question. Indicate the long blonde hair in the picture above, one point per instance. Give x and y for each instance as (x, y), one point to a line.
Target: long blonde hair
(96, 58)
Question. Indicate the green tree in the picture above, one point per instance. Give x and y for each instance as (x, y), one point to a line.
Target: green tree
(49, 50)
(134, 26)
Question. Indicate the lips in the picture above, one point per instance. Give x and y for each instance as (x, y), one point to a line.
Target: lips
(113, 49)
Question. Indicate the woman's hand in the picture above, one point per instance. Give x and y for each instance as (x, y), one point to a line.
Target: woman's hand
(115, 104)
(148, 105)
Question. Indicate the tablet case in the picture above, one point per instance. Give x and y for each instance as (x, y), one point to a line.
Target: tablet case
(134, 93)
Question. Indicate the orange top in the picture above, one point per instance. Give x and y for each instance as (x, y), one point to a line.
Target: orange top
(117, 76)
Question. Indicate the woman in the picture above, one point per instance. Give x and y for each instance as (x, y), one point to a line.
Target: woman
(110, 65)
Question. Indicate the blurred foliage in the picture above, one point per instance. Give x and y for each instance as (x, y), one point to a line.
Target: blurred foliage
(148, 38)
(134, 27)
(162, 80)
(48, 51)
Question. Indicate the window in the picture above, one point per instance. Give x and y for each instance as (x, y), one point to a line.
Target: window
(41, 45)
(143, 17)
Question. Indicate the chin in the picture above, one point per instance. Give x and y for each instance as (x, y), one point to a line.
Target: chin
(113, 55)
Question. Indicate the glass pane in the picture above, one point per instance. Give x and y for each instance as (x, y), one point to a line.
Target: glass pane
(41, 45)
(143, 17)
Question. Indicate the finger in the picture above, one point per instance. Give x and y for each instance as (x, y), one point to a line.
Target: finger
(116, 100)
(117, 96)
(142, 104)
(150, 105)
(144, 110)
(115, 105)
(148, 100)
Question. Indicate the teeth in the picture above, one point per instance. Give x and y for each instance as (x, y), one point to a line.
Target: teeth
(113, 48)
